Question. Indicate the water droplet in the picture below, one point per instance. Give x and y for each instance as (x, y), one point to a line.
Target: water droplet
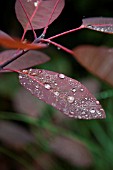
(83, 113)
(58, 48)
(90, 26)
(39, 71)
(79, 117)
(70, 99)
(25, 71)
(97, 102)
(37, 86)
(36, 3)
(74, 90)
(92, 111)
(56, 93)
(81, 89)
(47, 86)
(62, 76)
(20, 77)
(33, 74)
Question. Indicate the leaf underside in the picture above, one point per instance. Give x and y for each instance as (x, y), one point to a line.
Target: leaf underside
(101, 24)
(42, 15)
(27, 60)
(97, 60)
(65, 94)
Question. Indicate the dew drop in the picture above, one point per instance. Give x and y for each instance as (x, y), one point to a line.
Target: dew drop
(47, 86)
(37, 86)
(25, 71)
(58, 48)
(73, 90)
(20, 77)
(33, 74)
(92, 111)
(97, 102)
(56, 93)
(62, 76)
(36, 3)
(70, 99)
(81, 89)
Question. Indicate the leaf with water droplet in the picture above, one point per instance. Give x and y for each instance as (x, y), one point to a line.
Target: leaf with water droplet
(57, 90)
(102, 24)
(97, 60)
(42, 15)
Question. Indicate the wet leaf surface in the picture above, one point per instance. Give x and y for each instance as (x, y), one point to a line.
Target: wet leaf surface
(98, 60)
(101, 24)
(42, 15)
(64, 93)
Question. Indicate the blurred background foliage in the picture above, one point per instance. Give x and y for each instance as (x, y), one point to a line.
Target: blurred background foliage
(35, 136)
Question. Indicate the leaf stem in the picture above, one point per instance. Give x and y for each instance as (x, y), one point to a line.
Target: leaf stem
(66, 32)
(58, 46)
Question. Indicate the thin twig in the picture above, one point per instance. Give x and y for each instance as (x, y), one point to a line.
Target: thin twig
(66, 32)
(58, 46)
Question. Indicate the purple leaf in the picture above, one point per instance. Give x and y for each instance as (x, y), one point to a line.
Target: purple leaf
(101, 24)
(27, 60)
(98, 60)
(65, 94)
(14, 135)
(72, 150)
(42, 15)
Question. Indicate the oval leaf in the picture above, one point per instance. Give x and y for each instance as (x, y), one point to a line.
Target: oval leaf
(14, 135)
(65, 94)
(27, 60)
(98, 60)
(11, 43)
(42, 15)
(72, 150)
(101, 24)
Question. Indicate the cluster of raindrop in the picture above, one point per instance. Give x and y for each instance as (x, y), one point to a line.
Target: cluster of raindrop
(34, 2)
(67, 95)
(107, 29)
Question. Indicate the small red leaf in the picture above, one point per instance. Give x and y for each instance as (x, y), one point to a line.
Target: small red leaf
(27, 60)
(42, 15)
(101, 24)
(11, 43)
(65, 94)
(98, 60)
